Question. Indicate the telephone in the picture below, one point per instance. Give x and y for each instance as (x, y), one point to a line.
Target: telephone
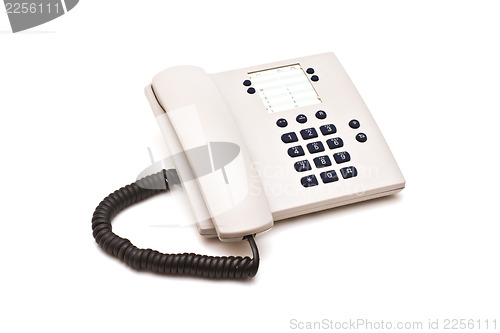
(256, 145)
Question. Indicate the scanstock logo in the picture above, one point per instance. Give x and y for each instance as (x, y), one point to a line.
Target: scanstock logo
(26, 14)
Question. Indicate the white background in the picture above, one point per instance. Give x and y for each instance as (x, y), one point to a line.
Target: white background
(75, 125)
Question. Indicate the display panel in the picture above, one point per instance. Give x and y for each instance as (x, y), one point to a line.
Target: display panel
(284, 88)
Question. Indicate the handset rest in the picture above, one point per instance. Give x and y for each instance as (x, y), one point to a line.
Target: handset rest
(216, 152)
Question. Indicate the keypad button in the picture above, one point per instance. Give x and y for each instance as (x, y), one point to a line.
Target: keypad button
(289, 137)
(301, 118)
(328, 129)
(314, 78)
(251, 90)
(310, 70)
(334, 143)
(282, 122)
(349, 172)
(315, 147)
(295, 151)
(329, 176)
(321, 114)
(309, 181)
(342, 157)
(322, 161)
(361, 137)
(309, 133)
(247, 83)
(354, 124)
(302, 166)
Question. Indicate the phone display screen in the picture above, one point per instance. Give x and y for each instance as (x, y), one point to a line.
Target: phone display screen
(284, 88)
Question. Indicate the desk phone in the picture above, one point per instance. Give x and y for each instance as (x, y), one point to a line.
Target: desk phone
(265, 143)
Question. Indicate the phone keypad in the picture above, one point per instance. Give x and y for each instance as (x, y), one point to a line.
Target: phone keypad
(309, 133)
(281, 122)
(328, 129)
(309, 181)
(342, 157)
(289, 137)
(301, 118)
(349, 172)
(323, 161)
(296, 151)
(361, 137)
(302, 166)
(329, 176)
(315, 147)
(335, 143)
(354, 124)
(321, 114)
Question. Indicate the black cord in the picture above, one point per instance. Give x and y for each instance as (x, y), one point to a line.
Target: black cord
(154, 261)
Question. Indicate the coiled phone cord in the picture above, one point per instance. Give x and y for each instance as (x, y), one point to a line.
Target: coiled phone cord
(154, 261)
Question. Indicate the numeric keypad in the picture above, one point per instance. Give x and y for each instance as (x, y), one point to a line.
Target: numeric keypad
(323, 161)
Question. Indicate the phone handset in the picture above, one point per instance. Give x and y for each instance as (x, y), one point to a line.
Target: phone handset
(217, 154)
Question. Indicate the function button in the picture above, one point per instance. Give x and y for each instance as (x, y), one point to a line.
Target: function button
(310, 70)
(354, 124)
(322, 161)
(349, 172)
(302, 166)
(309, 133)
(329, 176)
(247, 83)
(334, 143)
(361, 137)
(315, 147)
(289, 137)
(321, 114)
(251, 90)
(295, 151)
(328, 129)
(342, 157)
(314, 78)
(309, 181)
(301, 118)
(282, 122)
